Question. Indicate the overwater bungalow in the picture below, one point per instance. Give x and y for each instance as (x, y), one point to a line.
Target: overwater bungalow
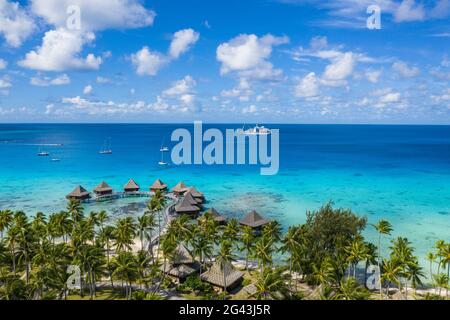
(180, 189)
(197, 195)
(158, 185)
(188, 206)
(254, 220)
(223, 276)
(182, 266)
(195, 201)
(103, 189)
(213, 213)
(131, 187)
(79, 193)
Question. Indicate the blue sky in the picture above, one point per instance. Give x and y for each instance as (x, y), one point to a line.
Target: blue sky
(265, 61)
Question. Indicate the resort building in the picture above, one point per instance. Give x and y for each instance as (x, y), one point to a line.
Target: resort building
(131, 187)
(182, 266)
(223, 276)
(213, 213)
(158, 185)
(103, 189)
(194, 201)
(79, 193)
(180, 189)
(188, 206)
(200, 197)
(254, 220)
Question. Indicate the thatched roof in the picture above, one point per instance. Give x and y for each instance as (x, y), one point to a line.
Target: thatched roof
(78, 192)
(182, 256)
(254, 220)
(131, 185)
(186, 206)
(215, 275)
(216, 215)
(195, 193)
(180, 188)
(181, 271)
(192, 200)
(103, 187)
(158, 185)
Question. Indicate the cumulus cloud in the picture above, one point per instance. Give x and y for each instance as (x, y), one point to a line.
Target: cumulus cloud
(404, 70)
(88, 90)
(60, 80)
(183, 90)
(148, 62)
(250, 109)
(16, 24)
(3, 64)
(60, 50)
(5, 82)
(182, 41)
(373, 75)
(409, 10)
(96, 15)
(308, 86)
(248, 55)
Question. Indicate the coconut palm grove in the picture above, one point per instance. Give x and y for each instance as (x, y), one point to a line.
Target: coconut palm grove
(76, 255)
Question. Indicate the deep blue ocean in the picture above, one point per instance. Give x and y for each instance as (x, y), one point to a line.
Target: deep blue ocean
(399, 173)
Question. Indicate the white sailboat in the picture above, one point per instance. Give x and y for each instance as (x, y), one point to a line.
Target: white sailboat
(42, 153)
(106, 149)
(163, 150)
(256, 131)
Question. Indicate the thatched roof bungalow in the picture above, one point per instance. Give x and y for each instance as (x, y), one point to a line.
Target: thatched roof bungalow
(158, 185)
(103, 189)
(254, 220)
(180, 189)
(131, 186)
(223, 276)
(214, 214)
(186, 206)
(200, 197)
(182, 266)
(79, 193)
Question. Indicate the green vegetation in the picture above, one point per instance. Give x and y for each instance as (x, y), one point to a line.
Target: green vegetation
(122, 259)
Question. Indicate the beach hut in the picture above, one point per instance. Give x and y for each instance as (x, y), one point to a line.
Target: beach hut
(197, 195)
(79, 193)
(158, 185)
(223, 276)
(180, 189)
(103, 189)
(131, 187)
(182, 265)
(194, 201)
(220, 219)
(254, 220)
(186, 206)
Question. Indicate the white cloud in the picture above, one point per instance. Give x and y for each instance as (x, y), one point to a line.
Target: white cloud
(182, 41)
(341, 68)
(408, 10)
(96, 15)
(308, 86)
(102, 80)
(60, 80)
(3, 64)
(88, 90)
(60, 51)
(16, 24)
(5, 82)
(242, 91)
(373, 75)
(248, 55)
(404, 70)
(250, 109)
(181, 87)
(148, 62)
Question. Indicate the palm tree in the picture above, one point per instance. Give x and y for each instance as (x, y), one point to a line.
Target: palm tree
(142, 229)
(75, 209)
(441, 281)
(247, 238)
(125, 231)
(270, 285)
(263, 252)
(445, 253)
(231, 230)
(6, 218)
(371, 258)
(431, 257)
(324, 274)
(202, 248)
(291, 245)
(126, 269)
(349, 289)
(272, 231)
(357, 251)
(156, 205)
(383, 227)
(391, 274)
(414, 273)
(224, 257)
